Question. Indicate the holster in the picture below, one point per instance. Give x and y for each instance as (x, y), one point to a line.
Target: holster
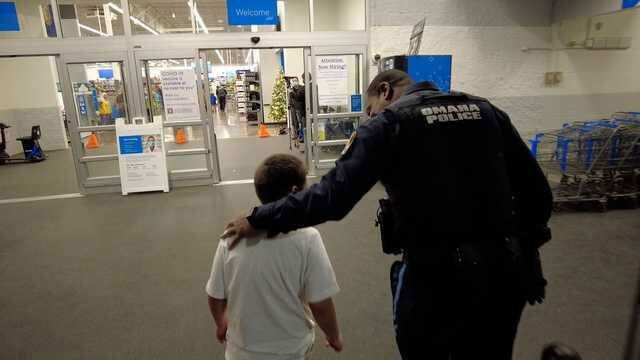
(385, 221)
(523, 251)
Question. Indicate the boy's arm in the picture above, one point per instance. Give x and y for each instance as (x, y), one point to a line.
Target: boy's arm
(216, 290)
(218, 309)
(319, 286)
(325, 314)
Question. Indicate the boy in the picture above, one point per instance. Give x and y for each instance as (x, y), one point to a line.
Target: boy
(260, 293)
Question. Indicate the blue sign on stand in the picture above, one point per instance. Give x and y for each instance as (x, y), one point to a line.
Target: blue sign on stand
(630, 3)
(252, 12)
(130, 144)
(356, 103)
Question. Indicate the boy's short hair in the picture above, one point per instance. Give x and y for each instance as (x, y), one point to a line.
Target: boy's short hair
(277, 175)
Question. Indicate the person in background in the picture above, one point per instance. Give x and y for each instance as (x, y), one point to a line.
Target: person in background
(469, 206)
(104, 110)
(221, 92)
(118, 107)
(260, 293)
(299, 105)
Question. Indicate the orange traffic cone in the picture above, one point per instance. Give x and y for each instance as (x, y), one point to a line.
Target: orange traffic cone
(263, 131)
(92, 142)
(181, 137)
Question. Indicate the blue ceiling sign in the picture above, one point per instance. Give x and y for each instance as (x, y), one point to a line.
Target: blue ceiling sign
(252, 12)
(9, 17)
(630, 3)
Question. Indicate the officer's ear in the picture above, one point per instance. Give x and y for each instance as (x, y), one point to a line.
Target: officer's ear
(386, 91)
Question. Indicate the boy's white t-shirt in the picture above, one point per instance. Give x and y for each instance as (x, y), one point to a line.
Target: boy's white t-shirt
(267, 284)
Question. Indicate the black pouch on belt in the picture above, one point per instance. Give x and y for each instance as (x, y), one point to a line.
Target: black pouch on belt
(386, 223)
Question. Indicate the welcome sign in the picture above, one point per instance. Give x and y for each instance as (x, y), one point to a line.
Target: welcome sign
(630, 3)
(252, 12)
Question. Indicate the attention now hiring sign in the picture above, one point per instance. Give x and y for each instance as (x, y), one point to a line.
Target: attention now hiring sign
(252, 12)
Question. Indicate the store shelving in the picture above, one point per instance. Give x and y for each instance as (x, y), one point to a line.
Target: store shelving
(248, 96)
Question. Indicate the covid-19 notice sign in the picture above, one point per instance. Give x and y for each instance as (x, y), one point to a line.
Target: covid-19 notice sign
(180, 95)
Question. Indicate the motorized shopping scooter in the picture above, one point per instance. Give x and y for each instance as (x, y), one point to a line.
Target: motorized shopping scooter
(32, 152)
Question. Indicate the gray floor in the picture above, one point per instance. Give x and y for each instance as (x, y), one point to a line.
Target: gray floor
(54, 176)
(240, 155)
(241, 150)
(112, 277)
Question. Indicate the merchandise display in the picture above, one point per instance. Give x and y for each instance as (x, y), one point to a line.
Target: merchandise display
(247, 95)
(99, 102)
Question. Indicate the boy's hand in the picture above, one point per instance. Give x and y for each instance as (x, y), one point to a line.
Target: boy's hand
(335, 344)
(221, 333)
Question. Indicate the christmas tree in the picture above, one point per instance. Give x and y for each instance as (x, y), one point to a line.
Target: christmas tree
(278, 111)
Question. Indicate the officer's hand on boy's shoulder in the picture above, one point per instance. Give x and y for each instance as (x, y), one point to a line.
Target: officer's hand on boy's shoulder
(236, 230)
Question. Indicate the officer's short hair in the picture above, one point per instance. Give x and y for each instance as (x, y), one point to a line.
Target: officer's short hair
(393, 77)
(277, 174)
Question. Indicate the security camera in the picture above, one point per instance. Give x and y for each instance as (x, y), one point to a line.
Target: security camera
(376, 59)
(255, 39)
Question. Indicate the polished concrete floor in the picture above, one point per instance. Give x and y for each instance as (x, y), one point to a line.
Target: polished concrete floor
(239, 148)
(54, 176)
(113, 277)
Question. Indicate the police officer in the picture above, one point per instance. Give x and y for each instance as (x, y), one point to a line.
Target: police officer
(470, 206)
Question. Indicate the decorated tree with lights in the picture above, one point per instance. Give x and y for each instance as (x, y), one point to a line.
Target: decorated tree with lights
(278, 111)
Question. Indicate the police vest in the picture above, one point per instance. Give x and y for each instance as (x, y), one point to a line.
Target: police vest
(447, 176)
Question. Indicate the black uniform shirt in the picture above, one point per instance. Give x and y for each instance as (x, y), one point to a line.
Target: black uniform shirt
(451, 163)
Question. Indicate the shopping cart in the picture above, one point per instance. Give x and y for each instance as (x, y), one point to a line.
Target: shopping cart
(592, 162)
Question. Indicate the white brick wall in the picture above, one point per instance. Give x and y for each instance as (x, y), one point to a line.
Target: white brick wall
(28, 97)
(486, 40)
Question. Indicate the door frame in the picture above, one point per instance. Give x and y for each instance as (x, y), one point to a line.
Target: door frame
(122, 49)
(86, 183)
(306, 51)
(187, 177)
(311, 137)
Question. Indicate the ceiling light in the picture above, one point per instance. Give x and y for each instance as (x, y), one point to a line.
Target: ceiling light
(115, 7)
(196, 14)
(220, 56)
(134, 19)
(90, 29)
(143, 25)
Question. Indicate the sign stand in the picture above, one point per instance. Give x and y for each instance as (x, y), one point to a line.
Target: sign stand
(141, 154)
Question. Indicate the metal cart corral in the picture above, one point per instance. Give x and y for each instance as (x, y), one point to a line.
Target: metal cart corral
(593, 162)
